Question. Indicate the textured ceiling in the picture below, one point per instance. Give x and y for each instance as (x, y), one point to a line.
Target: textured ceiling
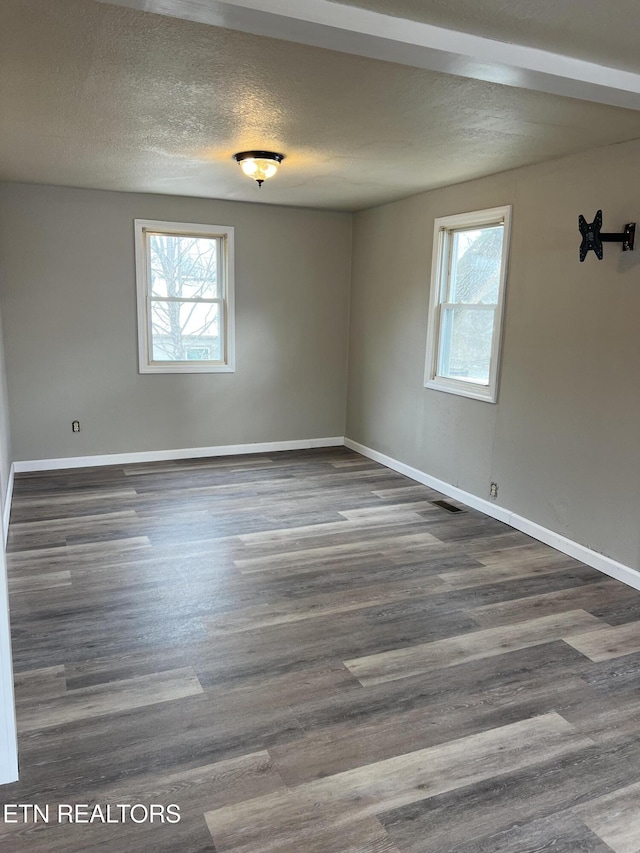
(100, 96)
(602, 31)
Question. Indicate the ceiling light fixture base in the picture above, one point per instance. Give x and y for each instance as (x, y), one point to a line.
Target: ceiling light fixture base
(259, 165)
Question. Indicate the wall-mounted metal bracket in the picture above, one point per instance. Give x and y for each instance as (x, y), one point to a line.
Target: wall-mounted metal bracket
(593, 238)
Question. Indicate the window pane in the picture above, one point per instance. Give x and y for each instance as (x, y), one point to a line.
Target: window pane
(186, 331)
(184, 267)
(465, 344)
(475, 265)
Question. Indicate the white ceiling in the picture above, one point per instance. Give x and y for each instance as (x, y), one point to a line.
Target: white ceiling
(96, 95)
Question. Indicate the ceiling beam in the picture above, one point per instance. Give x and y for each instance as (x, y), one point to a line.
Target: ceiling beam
(348, 29)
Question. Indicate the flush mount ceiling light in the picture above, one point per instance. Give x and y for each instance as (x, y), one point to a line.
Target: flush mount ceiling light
(259, 165)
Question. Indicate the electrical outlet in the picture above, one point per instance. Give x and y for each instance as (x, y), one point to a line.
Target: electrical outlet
(75, 426)
(493, 490)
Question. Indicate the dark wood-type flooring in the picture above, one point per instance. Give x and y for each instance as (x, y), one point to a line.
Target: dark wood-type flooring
(307, 655)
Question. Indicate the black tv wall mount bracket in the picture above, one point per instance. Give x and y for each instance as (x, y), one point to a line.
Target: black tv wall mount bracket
(593, 238)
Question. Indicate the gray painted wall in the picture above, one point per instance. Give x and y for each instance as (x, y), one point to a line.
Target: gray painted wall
(69, 307)
(563, 441)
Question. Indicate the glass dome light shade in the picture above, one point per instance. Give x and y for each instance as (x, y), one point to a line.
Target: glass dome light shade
(259, 165)
(259, 168)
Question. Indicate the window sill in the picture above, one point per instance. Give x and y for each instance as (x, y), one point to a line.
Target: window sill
(186, 368)
(484, 393)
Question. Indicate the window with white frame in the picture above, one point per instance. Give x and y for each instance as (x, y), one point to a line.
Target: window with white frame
(184, 275)
(468, 276)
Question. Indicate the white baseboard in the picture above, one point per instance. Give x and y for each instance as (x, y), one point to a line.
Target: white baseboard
(603, 564)
(166, 455)
(7, 504)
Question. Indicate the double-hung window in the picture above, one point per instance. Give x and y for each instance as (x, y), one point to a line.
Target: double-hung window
(467, 297)
(184, 275)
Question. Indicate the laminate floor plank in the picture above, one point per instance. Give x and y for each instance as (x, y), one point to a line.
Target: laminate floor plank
(289, 690)
(39, 582)
(307, 558)
(130, 746)
(41, 505)
(380, 513)
(614, 642)
(464, 578)
(464, 527)
(101, 700)
(39, 685)
(616, 675)
(408, 492)
(191, 835)
(528, 552)
(264, 824)
(121, 667)
(199, 789)
(562, 833)
(319, 605)
(587, 598)
(344, 532)
(267, 653)
(84, 554)
(605, 717)
(503, 540)
(203, 787)
(305, 653)
(496, 805)
(484, 681)
(362, 462)
(70, 523)
(235, 463)
(615, 818)
(403, 662)
(345, 745)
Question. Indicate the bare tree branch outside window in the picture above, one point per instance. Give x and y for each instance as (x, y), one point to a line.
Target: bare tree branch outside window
(184, 273)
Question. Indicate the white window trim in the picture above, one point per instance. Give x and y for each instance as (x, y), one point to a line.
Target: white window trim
(145, 361)
(442, 229)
